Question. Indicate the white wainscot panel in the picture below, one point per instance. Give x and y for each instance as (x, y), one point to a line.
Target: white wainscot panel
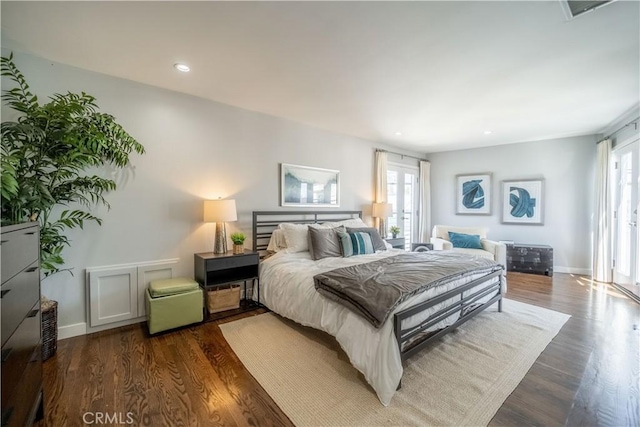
(115, 294)
(146, 274)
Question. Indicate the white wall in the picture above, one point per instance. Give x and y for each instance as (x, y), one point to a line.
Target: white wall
(196, 149)
(567, 165)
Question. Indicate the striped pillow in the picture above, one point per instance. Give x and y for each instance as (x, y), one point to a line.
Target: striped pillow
(357, 243)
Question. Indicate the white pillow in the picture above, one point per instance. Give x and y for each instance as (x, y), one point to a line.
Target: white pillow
(296, 237)
(277, 241)
(353, 223)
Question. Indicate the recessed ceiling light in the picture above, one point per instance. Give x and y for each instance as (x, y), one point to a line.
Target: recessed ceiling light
(487, 132)
(398, 133)
(182, 67)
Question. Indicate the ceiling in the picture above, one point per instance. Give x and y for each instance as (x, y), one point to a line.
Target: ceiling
(441, 73)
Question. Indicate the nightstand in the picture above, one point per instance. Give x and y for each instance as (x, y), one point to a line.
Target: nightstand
(397, 243)
(213, 271)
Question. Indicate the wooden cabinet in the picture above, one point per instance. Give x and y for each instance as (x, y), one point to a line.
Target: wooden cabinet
(22, 402)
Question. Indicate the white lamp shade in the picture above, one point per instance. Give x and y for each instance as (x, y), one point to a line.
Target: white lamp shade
(382, 210)
(220, 210)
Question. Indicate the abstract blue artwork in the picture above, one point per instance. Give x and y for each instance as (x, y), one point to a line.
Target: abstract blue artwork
(473, 194)
(522, 202)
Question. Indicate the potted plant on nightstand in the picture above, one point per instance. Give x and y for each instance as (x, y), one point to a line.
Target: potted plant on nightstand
(238, 243)
(394, 231)
(47, 155)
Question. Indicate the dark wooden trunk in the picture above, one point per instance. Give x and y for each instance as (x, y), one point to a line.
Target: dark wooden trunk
(533, 259)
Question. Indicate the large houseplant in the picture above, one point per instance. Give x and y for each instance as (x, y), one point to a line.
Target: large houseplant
(45, 162)
(46, 156)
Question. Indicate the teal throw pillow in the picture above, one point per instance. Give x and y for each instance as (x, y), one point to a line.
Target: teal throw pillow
(357, 243)
(469, 241)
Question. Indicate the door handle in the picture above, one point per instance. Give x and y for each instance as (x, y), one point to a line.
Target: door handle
(633, 223)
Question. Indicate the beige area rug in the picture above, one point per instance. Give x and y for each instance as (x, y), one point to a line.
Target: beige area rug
(462, 380)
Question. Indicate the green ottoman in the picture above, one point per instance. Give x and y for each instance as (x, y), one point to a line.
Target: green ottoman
(172, 303)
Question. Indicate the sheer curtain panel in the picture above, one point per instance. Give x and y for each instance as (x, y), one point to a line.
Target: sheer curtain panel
(424, 226)
(602, 243)
(380, 184)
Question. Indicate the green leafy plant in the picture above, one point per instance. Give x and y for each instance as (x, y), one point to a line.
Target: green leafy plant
(394, 230)
(238, 238)
(46, 154)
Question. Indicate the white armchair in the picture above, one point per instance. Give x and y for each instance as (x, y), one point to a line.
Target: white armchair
(490, 249)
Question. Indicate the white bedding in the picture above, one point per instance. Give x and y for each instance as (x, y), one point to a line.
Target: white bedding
(287, 288)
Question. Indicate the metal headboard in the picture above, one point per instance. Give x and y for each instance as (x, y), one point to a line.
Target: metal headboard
(264, 222)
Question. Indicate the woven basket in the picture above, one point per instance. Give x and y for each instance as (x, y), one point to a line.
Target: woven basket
(49, 327)
(223, 299)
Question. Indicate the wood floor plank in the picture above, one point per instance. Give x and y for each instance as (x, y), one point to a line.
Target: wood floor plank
(588, 375)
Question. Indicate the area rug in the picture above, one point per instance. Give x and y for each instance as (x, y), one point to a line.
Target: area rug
(461, 380)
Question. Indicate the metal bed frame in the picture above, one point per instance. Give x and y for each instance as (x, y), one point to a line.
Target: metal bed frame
(264, 222)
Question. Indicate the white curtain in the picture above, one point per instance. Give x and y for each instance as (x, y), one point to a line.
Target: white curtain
(380, 184)
(602, 242)
(424, 227)
(381, 176)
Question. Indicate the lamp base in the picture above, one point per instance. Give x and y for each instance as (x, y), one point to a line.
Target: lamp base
(382, 228)
(220, 242)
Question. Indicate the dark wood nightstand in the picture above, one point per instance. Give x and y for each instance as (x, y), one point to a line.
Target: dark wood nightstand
(215, 270)
(397, 243)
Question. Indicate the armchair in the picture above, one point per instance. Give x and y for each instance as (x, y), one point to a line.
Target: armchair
(490, 249)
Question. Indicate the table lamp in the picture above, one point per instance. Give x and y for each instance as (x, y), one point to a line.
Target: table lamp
(382, 211)
(220, 211)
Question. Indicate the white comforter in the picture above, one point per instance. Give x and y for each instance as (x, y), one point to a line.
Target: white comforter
(287, 287)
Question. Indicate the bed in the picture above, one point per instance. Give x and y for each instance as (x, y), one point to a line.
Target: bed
(287, 287)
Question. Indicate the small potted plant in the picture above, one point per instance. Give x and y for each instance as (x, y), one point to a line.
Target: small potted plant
(394, 231)
(238, 243)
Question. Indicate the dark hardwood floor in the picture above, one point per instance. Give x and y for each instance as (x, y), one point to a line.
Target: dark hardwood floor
(588, 375)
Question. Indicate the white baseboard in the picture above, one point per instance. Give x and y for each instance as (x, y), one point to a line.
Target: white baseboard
(572, 270)
(70, 331)
(91, 330)
(78, 329)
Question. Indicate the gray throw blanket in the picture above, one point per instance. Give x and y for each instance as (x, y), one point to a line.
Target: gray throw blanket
(375, 289)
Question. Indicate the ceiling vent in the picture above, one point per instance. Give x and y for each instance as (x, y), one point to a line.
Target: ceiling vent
(574, 8)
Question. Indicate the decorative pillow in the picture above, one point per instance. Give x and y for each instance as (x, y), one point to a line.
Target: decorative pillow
(357, 243)
(378, 242)
(296, 237)
(324, 242)
(277, 241)
(354, 222)
(460, 240)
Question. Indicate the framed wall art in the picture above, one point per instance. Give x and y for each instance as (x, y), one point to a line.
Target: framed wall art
(302, 186)
(523, 201)
(473, 194)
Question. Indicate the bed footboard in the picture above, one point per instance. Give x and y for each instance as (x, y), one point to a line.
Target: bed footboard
(406, 335)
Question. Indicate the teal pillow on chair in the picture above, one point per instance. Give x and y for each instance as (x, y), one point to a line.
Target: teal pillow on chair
(469, 241)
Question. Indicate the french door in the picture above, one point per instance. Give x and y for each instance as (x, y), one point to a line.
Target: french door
(626, 250)
(402, 193)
